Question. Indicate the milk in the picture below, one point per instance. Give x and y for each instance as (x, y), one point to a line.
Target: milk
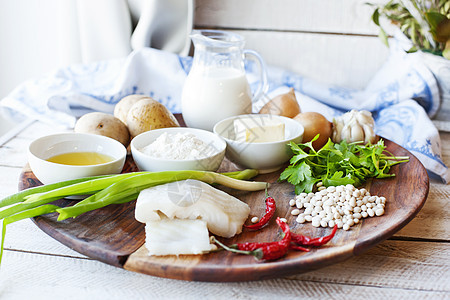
(211, 94)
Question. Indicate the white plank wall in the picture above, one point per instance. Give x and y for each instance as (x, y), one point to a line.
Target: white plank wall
(332, 41)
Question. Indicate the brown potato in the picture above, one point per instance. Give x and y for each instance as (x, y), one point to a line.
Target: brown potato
(315, 123)
(285, 105)
(103, 124)
(149, 114)
(123, 106)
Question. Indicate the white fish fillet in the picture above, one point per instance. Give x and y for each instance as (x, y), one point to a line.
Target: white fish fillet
(175, 237)
(192, 199)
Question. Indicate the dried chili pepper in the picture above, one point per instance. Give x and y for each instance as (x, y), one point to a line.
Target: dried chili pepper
(299, 248)
(308, 241)
(270, 211)
(264, 251)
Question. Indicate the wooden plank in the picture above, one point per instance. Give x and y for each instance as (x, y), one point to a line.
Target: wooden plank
(393, 270)
(433, 221)
(39, 129)
(393, 264)
(9, 177)
(14, 153)
(348, 61)
(26, 236)
(333, 16)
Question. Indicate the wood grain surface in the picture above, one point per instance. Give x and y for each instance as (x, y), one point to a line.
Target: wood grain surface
(111, 234)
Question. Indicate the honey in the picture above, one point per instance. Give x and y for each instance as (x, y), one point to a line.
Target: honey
(80, 158)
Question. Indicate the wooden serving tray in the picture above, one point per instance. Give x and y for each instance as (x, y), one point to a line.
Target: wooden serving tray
(113, 236)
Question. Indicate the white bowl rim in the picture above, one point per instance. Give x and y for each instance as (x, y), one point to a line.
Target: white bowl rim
(162, 130)
(95, 136)
(286, 140)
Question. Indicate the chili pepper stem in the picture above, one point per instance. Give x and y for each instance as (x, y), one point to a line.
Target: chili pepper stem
(257, 253)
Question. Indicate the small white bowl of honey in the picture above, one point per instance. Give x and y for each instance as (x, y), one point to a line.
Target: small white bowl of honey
(66, 156)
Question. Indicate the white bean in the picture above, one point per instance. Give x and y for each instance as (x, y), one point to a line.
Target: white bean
(379, 212)
(301, 219)
(308, 218)
(255, 220)
(295, 212)
(364, 214)
(357, 216)
(315, 222)
(346, 227)
(370, 212)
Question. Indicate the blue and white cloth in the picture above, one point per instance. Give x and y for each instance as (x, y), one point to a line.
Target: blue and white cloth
(402, 95)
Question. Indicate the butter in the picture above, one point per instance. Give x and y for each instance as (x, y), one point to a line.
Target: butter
(258, 129)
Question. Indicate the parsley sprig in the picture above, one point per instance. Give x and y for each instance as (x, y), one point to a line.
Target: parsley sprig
(338, 164)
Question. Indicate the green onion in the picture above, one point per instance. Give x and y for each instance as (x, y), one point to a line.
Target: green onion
(29, 213)
(133, 185)
(80, 188)
(19, 197)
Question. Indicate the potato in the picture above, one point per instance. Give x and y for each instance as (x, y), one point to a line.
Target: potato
(123, 106)
(103, 124)
(315, 123)
(149, 114)
(285, 105)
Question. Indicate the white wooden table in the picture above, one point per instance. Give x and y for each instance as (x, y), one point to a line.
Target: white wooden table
(413, 264)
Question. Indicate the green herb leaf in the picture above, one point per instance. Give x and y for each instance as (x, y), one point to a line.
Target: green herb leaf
(338, 164)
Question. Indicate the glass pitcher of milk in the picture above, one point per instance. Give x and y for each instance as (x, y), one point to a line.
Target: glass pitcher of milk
(216, 86)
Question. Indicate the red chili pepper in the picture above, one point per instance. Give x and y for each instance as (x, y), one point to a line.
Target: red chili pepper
(265, 251)
(308, 241)
(271, 250)
(299, 248)
(270, 211)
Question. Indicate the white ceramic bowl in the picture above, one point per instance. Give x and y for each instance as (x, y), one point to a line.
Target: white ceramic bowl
(146, 162)
(48, 146)
(266, 157)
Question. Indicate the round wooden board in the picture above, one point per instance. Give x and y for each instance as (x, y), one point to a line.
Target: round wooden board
(112, 235)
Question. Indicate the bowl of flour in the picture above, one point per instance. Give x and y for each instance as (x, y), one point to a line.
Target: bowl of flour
(178, 148)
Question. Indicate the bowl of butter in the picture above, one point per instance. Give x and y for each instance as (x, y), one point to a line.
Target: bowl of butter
(259, 141)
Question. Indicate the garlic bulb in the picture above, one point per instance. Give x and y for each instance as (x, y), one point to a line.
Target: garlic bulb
(354, 126)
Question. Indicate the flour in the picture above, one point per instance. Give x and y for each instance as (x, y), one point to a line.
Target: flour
(180, 146)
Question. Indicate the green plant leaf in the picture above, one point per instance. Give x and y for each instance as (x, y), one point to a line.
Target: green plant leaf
(376, 17)
(383, 36)
(434, 18)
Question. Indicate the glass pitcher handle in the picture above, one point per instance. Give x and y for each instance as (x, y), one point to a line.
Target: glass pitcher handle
(263, 85)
